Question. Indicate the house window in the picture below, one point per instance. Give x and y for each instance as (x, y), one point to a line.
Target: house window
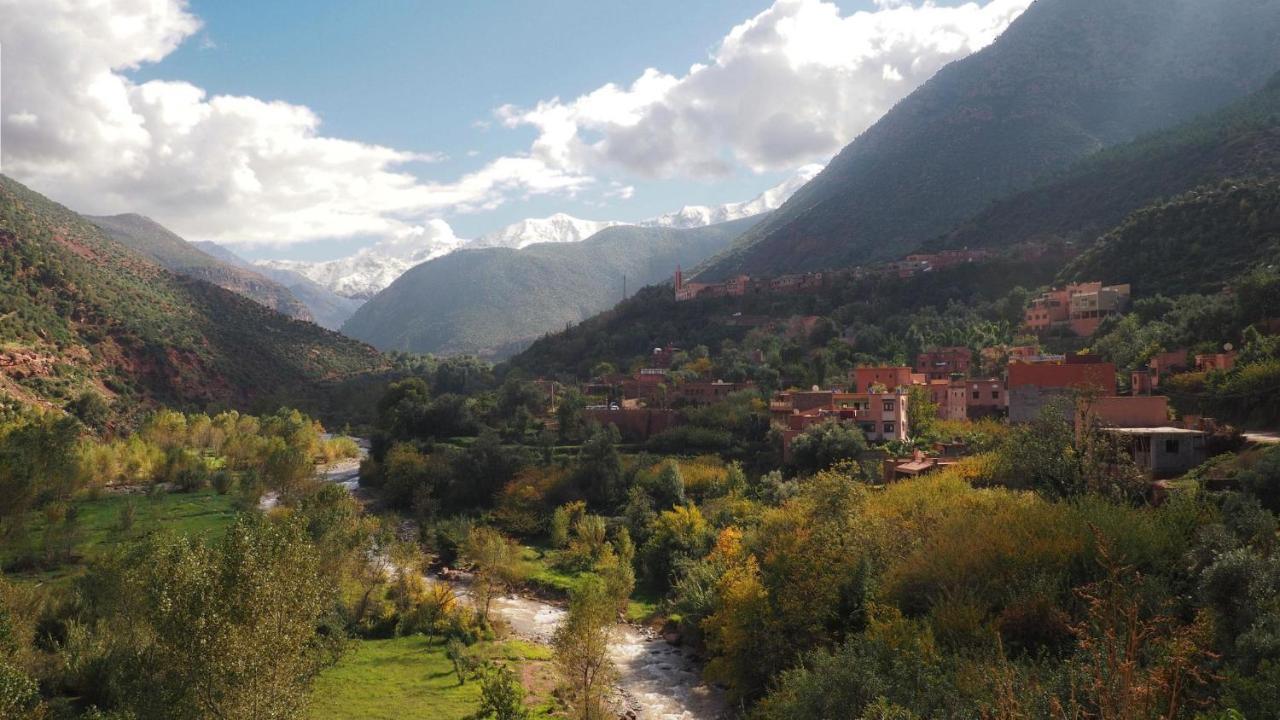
(995, 394)
(888, 428)
(977, 395)
(868, 428)
(1171, 446)
(888, 406)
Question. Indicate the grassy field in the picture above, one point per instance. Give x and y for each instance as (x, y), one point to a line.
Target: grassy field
(408, 677)
(100, 525)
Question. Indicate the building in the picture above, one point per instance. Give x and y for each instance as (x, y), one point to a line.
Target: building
(1222, 361)
(796, 283)
(1090, 308)
(634, 424)
(1033, 385)
(733, 287)
(708, 393)
(1081, 307)
(1125, 411)
(942, 363)
(882, 417)
(889, 378)
(1163, 452)
(985, 398)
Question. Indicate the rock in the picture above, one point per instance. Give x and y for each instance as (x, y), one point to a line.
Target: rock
(672, 638)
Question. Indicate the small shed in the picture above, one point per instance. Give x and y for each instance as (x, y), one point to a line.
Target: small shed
(1163, 452)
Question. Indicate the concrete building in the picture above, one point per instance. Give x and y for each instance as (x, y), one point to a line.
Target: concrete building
(1033, 385)
(1080, 306)
(1090, 308)
(1163, 452)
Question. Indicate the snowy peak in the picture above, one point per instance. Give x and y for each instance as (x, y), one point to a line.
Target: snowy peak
(371, 269)
(692, 216)
(559, 228)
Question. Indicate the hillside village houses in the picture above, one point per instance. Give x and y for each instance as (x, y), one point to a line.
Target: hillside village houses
(1015, 382)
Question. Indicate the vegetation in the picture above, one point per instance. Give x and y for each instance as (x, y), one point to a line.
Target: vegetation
(1031, 104)
(81, 313)
(495, 301)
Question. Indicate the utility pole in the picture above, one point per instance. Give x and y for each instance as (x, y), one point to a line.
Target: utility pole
(624, 286)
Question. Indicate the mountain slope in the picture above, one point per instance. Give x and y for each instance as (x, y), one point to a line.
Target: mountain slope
(153, 240)
(1068, 78)
(80, 311)
(1240, 141)
(492, 301)
(1197, 242)
(328, 309)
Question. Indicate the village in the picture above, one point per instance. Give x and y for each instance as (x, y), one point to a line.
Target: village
(1013, 384)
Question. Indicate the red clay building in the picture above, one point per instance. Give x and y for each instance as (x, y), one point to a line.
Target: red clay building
(942, 363)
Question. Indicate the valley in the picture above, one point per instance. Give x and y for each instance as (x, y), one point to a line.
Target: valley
(321, 396)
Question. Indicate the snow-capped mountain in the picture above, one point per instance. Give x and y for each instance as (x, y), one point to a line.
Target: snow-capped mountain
(372, 269)
(558, 228)
(692, 216)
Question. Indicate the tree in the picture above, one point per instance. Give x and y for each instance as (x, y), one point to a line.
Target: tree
(38, 462)
(496, 561)
(599, 471)
(922, 413)
(581, 647)
(824, 445)
(250, 604)
(501, 695)
(570, 417)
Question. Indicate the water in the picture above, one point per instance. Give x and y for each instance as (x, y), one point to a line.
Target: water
(656, 681)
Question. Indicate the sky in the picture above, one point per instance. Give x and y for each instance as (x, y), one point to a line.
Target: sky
(307, 129)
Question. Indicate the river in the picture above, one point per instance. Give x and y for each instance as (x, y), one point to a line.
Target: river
(656, 680)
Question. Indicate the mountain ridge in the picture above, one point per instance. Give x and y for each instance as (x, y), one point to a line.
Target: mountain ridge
(492, 301)
(1069, 77)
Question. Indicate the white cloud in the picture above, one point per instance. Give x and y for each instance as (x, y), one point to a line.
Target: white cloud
(225, 168)
(793, 84)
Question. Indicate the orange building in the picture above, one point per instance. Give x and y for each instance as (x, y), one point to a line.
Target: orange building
(890, 378)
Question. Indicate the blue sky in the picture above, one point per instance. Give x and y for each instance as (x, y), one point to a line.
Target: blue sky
(421, 75)
(301, 128)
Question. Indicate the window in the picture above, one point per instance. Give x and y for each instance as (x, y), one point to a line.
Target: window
(995, 394)
(1171, 446)
(888, 428)
(888, 406)
(977, 395)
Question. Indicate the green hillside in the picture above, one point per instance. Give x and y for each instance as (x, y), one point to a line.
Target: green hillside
(1196, 243)
(1068, 78)
(494, 301)
(153, 240)
(1239, 141)
(328, 309)
(81, 312)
